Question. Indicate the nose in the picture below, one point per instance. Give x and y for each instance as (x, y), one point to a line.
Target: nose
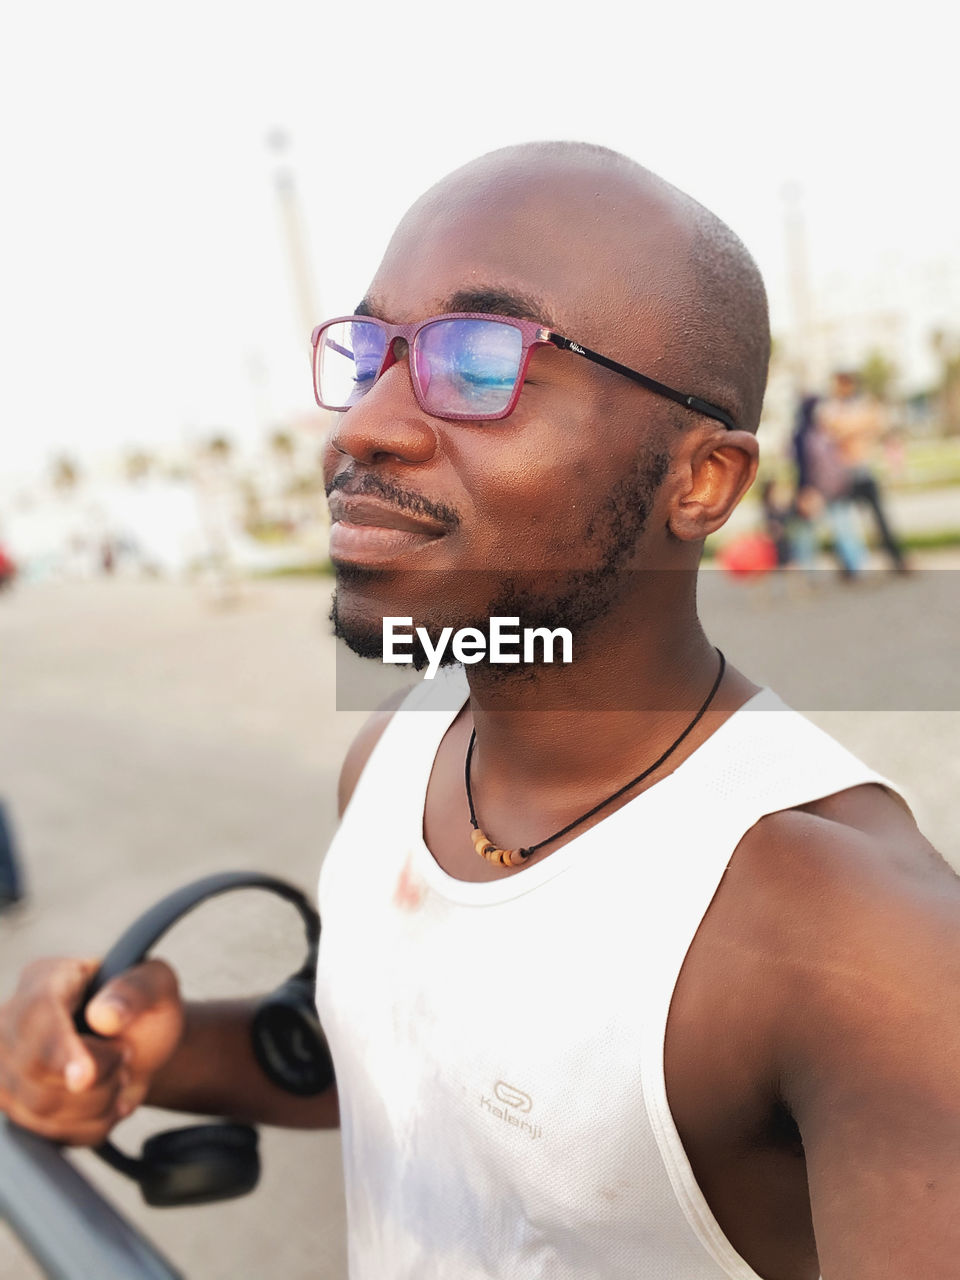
(387, 421)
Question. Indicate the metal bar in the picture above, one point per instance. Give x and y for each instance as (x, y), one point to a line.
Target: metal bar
(68, 1226)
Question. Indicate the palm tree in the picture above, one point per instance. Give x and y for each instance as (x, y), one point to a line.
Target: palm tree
(281, 443)
(220, 447)
(66, 474)
(878, 374)
(138, 464)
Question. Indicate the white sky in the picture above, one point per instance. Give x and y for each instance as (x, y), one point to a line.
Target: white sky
(143, 274)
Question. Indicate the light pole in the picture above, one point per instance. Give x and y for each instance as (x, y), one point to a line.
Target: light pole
(294, 235)
(798, 274)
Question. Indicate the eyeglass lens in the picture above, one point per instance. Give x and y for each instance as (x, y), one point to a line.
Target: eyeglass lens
(462, 366)
(349, 356)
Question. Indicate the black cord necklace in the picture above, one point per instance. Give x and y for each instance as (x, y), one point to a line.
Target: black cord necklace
(516, 857)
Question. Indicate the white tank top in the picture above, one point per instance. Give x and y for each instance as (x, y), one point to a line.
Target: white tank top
(499, 1045)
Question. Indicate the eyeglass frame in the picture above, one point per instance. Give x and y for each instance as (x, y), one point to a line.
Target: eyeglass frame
(532, 335)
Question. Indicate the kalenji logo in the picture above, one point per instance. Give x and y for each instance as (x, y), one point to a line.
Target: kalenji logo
(514, 1100)
(512, 1097)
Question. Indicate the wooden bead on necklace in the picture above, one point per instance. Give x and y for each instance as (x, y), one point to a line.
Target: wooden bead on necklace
(506, 857)
(516, 857)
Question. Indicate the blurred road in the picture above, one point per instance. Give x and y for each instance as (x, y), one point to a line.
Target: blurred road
(149, 736)
(931, 510)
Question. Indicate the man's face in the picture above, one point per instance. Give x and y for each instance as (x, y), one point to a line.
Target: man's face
(537, 514)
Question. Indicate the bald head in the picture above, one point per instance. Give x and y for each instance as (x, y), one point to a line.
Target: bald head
(608, 253)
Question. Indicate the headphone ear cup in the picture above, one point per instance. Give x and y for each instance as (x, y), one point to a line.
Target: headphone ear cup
(288, 1040)
(202, 1163)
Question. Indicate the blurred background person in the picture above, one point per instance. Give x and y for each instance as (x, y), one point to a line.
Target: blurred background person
(855, 424)
(11, 876)
(822, 491)
(776, 503)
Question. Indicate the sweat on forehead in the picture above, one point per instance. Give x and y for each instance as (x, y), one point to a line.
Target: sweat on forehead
(614, 256)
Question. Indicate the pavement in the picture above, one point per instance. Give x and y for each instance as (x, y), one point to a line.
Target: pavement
(151, 734)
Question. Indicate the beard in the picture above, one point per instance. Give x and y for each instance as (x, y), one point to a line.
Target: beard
(577, 599)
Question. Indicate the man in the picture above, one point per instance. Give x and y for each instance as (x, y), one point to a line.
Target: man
(855, 425)
(823, 487)
(703, 1022)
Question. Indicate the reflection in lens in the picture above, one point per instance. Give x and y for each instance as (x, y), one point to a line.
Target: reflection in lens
(349, 356)
(467, 366)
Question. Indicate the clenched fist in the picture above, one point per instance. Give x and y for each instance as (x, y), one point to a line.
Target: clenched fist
(74, 1088)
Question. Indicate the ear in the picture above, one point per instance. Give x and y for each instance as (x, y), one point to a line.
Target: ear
(712, 477)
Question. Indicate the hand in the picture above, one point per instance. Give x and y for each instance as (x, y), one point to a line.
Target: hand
(74, 1088)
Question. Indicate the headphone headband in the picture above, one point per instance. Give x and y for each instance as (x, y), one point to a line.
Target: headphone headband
(145, 932)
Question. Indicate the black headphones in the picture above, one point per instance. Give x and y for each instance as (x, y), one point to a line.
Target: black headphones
(218, 1161)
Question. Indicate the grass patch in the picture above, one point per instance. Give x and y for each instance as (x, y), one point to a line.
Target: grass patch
(312, 569)
(932, 540)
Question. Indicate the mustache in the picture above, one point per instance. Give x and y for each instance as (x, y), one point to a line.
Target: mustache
(368, 484)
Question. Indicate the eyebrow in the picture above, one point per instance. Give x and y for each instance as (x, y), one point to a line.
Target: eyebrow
(487, 301)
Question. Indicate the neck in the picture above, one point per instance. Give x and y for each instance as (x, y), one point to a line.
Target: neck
(637, 679)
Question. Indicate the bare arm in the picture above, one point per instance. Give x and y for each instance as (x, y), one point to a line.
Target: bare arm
(872, 1059)
(214, 1072)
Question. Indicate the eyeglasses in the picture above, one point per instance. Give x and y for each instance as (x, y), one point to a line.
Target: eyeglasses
(464, 366)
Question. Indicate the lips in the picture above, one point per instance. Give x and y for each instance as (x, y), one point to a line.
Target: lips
(368, 531)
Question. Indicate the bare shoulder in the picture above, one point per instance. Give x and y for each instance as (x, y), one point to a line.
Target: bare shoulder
(860, 846)
(360, 750)
(833, 940)
(874, 925)
(846, 900)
